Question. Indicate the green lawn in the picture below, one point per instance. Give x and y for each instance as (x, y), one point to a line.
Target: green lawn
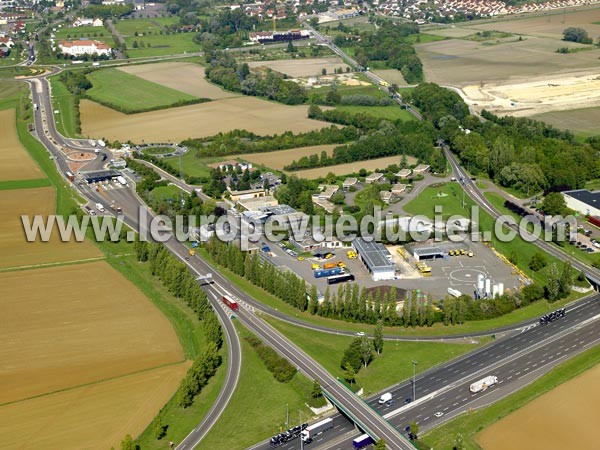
(24, 184)
(470, 424)
(162, 193)
(10, 93)
(128, 93)
(257, 409)
(391, 367)
(128, 27)
(64, 101)
(75, 33)
(393, 112)
(192, 166)
(160, 45)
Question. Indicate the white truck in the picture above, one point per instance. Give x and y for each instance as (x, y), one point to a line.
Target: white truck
(385, 398)
(121, 179)
(100, 207)
(315, 429)
(482, 385)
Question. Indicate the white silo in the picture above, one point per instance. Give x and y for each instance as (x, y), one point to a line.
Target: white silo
(500, 288)
(488, 287)
(480, 282)
(494, 291)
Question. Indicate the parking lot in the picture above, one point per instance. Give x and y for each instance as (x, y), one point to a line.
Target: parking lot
(457, 272)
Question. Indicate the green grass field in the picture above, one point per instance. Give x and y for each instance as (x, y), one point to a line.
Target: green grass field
(162, 193)
(391, 367)
(257, 409)
(128, 27)
(10, 93)
(75, 33)
(192, 166)
(160, 45)
(128, 93)
(24, 184)
(472, 423)
(64, 101)
(393, 112)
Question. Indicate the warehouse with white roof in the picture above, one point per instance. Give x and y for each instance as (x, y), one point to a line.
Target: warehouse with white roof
(376, 258)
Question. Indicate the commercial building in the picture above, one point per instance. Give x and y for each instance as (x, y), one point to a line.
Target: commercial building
(376, 258)
(583, 201)
(257, 203)
(84, 47)
(246, 194)
(422, 253)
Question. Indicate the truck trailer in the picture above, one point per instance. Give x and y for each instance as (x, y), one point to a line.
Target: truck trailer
(315, 429)
(362, 441)
(482, 385)
(327, 272)
(231, 303)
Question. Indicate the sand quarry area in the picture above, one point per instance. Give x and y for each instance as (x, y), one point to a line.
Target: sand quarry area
(541, 95)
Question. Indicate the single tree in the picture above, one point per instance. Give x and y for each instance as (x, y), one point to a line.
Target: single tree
(378, 337)
(380, 445)
(316, 391)
(537, 262)
(366, 351)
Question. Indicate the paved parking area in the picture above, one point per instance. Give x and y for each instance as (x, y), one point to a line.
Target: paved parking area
(457, 272)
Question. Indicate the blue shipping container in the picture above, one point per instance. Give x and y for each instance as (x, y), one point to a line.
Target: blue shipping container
(327, 272)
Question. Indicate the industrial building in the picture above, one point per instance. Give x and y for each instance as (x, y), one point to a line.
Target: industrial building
(99, 175)
(376, 258)
(423, 253)
(583, 201)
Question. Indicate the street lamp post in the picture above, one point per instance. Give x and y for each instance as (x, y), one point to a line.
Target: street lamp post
(287, 416)
(301, 441)
(414, 363)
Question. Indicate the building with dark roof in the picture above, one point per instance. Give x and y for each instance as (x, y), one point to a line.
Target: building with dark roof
(376, 258)
(583, 201)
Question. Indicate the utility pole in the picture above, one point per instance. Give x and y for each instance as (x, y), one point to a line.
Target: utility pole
(414, 363)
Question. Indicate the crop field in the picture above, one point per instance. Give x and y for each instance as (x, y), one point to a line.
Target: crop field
(77, 324)
(551, 25)
(277, 160)
(182, 76)
(302, 67)
(393, 112)
(129, 27)
(15, 162)
(15, 249)
(94, 417)
(346, 169)
(463, 62)
(131, 93)
(392, 76)
(543, 423)
(194, 121)
(585, 121)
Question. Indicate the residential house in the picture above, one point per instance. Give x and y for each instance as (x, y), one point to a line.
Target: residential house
(375, 177)
(84, 22)
(404, 173)
(348, 183)
(421, 169)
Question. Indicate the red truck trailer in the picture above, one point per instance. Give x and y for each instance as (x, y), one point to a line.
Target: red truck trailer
(232, 304)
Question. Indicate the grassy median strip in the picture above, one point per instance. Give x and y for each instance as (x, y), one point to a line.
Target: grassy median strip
(470, 424)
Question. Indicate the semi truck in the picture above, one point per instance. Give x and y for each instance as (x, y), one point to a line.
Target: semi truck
(327, 272)
(231, 303)
(482, 385)
(121, 179)
(315, 429)
(362, 441)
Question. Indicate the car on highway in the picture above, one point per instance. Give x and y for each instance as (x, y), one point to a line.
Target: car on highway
(390, 402)
(438, 414)
(407, 400)
(360, 333)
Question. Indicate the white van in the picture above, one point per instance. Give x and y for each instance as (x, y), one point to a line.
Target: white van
(100, 207)
(385, 398)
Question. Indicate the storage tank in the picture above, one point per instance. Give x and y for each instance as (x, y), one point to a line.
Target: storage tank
(494, 290)
(480, 282)
(500, 288)
(488, 287)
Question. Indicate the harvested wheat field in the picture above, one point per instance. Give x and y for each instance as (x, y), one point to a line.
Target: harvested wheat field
(301, 67)
(15, 249)
(585, 121)
(345, 169)
(15, 162)
(71, 325)
(551, 26)
(94, 417)
(277, 160)
(195, 121)
(184, 77)
(392, 76)
(566, 417)
(460, 63)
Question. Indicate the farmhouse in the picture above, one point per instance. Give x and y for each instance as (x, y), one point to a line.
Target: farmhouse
(583, 201)
(83, 22)
(84, 47)
(376, 258)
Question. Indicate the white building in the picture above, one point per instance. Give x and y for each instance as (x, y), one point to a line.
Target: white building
(583, 201)
(83, 22)
(83, 47)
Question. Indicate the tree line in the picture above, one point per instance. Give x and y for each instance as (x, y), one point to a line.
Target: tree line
(226, 72)
(243, 141)
(281, 368)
